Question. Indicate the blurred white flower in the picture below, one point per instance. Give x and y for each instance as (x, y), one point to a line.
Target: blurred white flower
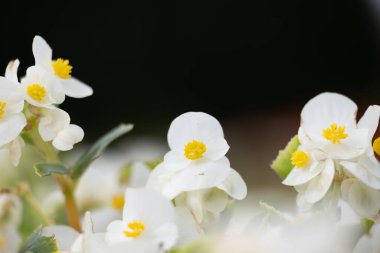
(10, 218)
(55, 126)
(369, 243)
(60, 69)
(148, 222)
(12, 120)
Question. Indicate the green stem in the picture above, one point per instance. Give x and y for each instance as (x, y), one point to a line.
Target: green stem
(31, 200)
(65, 183)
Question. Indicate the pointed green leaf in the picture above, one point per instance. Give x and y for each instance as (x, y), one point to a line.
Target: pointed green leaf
(37, 243)
(97, 149)
(283, 165)
(46, 169)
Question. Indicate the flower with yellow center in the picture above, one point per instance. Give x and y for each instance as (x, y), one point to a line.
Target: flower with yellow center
(194, 150)
(37, 92)
(135, 229)
(59, 69)
(197, 154)
(62, 68)
(335, 133)
(299, 159)
(148, 219)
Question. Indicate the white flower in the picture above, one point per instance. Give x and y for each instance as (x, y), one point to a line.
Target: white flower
(12, 120)
(328, 123)
(60, 69)
(369, 243)
(201, 203)
(41, 89)
(197, 153)
(148, 222)
(55, 126)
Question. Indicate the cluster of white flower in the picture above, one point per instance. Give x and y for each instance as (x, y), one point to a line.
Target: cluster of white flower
(34, 100)
(336, 156)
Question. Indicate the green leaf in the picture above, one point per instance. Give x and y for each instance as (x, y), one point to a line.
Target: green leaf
(97, 149)
(46, 169)
(37, 243)
(282, 165)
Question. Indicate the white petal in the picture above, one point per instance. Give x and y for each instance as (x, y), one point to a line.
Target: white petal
(139, 175)
(160, 180)
(66, 138)
(15, 150)
(193, 126)
(166, 235)
(76, 89)
(370, 120)
(115, 233)
(202, 175)
(187, 228)
(318, 186)
(139, 205)
(215, 200)
(176, 160)
(134, 246)
(216, 149)
(192, 200)
(65, 235)
(327, 108)
(11, 127)
(102, 217)
(234, 185)
(364, 245)
(11, 93)
(364, 200)
(362, 174)
(11, 71)
(42, 53)
(52, 122)
(298, 176)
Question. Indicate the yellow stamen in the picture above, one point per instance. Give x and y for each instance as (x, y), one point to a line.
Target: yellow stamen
(376, 146)
(2, 109)
(194, 150)
(37, 92)
(135, 229)
(118, 202)
(299, 159)
(335, 133)
(62, 68)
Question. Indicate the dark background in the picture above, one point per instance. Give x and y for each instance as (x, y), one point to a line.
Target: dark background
(252, 64)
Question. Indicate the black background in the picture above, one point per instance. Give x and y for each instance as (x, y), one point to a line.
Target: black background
(153, 60)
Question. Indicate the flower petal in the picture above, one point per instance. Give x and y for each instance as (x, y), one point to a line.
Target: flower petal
(215, 200)
(370, 120)
(364, 200)
(11, 127)
(201, 175)
(42, 53)
(193, 126)
(165, 235)
(216, 149)
(318, 186)
(65, 235)
(298, 176)
(76, 89)
(52, 122)
(67, 137)
(11, 71)
(358, 171)
(176, 160)
(187, 228)
(234, 185)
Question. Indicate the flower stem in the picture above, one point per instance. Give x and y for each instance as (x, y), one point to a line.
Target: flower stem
(65, 183)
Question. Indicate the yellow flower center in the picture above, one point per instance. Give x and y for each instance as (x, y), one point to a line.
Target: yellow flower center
(376, 146)
(37, 92)
(299, 159)
(62, 68)
(118, 202)
(335, 133)
(194, 150)
(2, 109)
(134, 229)
(3, 242)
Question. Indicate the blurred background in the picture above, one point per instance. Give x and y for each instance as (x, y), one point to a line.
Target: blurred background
(252, 64)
